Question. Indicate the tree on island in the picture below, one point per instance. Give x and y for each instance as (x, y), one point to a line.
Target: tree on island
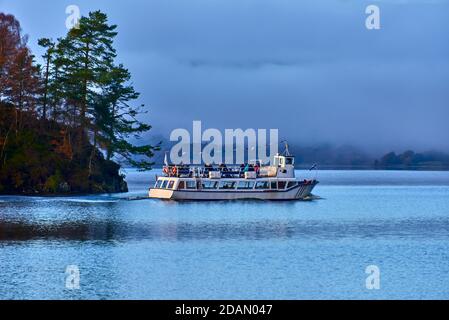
(77, 111)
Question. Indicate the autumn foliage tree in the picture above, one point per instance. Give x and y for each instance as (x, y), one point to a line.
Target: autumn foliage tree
(19, 77)
(10, 42)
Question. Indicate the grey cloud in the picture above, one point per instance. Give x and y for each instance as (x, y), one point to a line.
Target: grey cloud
(309, 68)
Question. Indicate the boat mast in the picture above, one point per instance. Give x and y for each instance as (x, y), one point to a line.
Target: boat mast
(286, 151)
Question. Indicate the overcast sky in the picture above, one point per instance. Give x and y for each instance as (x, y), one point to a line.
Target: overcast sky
(309, 68)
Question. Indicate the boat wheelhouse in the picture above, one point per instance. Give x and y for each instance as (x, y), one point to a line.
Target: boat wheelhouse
(250, 181)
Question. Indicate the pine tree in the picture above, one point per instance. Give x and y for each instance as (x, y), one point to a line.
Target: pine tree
(90, 55)
(98, 94)
(48, 56)
(119, 122)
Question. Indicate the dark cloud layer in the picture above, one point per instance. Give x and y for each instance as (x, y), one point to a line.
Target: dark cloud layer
(309, 68)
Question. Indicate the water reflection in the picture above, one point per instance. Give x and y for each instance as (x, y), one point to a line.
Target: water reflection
(115, 230)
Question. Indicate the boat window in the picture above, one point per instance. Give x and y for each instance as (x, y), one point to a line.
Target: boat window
(181, 185)
(274, 185)
(191, 184)
(291, 184)
(227, 185)
(158, 184)
(281, 184)
(164, 184)
(209, 184)
(263, 185)
(245, 185)
(288, 160)
(171, 184)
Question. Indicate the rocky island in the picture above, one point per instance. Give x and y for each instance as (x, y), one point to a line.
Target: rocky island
(66, 125)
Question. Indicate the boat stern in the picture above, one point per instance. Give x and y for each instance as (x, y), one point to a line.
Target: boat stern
(160, 193)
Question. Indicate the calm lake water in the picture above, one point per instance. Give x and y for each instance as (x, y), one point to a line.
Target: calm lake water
(151, 249)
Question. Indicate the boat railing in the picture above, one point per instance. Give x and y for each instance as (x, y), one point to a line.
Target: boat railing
(237, 171)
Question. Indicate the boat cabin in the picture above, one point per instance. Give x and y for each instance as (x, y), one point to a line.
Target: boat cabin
(174, 183)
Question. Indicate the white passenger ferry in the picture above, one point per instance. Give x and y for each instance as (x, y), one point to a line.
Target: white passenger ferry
(250, 181)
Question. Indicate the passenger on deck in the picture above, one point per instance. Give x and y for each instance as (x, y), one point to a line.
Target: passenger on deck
(207, 169)
(224, 169)
(181, 169)
(257, 167)
(242, 170)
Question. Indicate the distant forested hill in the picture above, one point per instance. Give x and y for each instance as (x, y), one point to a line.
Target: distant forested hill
(409, 160)
(327, 156)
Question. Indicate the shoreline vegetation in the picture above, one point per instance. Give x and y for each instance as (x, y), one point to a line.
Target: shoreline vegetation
(65, 126)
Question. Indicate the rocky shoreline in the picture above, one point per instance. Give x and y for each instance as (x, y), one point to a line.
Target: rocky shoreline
(41, 162)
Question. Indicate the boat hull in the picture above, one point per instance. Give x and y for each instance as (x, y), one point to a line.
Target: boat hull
(299, 192)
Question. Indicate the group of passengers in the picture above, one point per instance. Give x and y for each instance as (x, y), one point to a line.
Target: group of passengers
(184, 169)
(229, 172)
